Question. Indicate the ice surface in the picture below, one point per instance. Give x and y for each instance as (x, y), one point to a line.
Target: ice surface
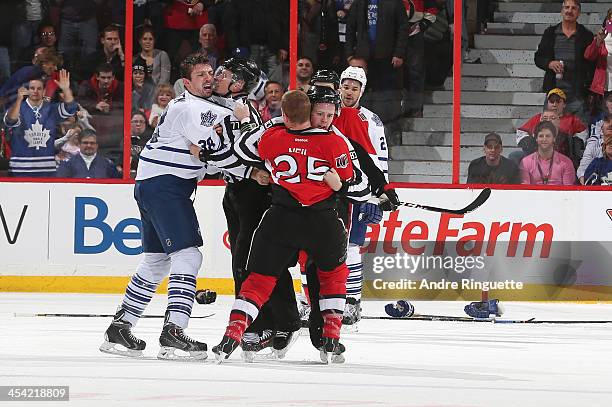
(389, 363)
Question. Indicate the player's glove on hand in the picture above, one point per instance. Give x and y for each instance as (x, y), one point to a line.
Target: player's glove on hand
(389, 201)
(370, 213)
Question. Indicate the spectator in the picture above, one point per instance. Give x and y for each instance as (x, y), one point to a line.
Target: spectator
(599, 172)
(272, 107)
(439, 47)
(493, 168)
(181, 23)
(157, 61)
(163, 95)
(319, 38)
(594, 146)
(604, 110)
(46, 38)
(102, 96)
(421, 15)
(378, 31)
(208, 45)
(44, 66)
(140, 134)
(545, 167)
(28, 16)
(78, 27)
(600, 53)
(111, 53)
(88, 163)
(142, 87)
(33, 127)
(68, 145)
(561, 55)
(258, 29)
(568, 123)
(304, 73)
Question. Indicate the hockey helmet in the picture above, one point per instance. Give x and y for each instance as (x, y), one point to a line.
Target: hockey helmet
(324, 94)
(326, 76)
(243, 70)
(355, 73)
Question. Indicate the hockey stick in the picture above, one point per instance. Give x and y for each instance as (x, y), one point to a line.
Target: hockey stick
(480, 199)
(20, 314)
(447, 318)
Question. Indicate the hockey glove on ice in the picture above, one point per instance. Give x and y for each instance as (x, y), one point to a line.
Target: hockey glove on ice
(205, 296)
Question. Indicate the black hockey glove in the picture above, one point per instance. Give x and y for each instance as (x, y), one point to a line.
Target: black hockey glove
(205, 296)
(389, 201)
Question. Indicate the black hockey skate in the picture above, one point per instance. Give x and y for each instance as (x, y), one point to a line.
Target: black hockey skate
(254, 342)
(352, 311)
(331, 350)
(118, 338)
(283, 341)
(173, 338)
(224, 349)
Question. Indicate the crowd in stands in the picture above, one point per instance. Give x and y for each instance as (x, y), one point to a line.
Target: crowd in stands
(85, 39)
(566, 144)
(404, 46)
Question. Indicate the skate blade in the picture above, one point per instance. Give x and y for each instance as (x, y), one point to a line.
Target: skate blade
(169, 353)
(281, 353)
(116, 349)
(221, 357)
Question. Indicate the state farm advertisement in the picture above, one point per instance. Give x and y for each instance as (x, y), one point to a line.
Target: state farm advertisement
(535, 245)
(539, 245)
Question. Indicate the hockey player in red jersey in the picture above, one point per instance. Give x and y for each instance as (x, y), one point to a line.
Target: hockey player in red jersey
(303, 216)
(366, 133)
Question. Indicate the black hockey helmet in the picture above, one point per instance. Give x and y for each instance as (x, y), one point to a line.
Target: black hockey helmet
(243, 69)
(327, 76)
(324, 94)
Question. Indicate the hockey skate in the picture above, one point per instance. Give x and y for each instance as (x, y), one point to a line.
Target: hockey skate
(254, 342)
(352, 315)
(283, 341)
(118, 338)
(224, 349)
(173, 338)
(331, 350)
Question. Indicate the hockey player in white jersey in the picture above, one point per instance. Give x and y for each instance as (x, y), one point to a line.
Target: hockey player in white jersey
(166, 178)
(365, 129)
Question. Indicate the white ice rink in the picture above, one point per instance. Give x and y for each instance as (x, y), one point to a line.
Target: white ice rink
(389, 363)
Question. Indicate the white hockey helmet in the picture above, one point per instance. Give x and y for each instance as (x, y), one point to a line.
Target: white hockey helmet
(355, 73)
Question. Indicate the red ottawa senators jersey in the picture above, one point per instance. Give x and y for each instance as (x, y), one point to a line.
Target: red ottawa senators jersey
(298, 160)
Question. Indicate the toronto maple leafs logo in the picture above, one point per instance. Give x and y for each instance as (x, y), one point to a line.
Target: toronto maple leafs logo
(208, 118)
(37, 136)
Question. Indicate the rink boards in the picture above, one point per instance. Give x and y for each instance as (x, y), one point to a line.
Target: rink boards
(557, 244)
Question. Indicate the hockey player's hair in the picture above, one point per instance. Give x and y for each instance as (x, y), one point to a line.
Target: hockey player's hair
(296, 106)
(190, 62)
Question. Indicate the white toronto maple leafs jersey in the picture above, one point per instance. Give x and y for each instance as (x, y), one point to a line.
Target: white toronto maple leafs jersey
(188, 119)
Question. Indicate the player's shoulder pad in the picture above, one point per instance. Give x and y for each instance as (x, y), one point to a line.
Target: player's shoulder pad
(275, 121)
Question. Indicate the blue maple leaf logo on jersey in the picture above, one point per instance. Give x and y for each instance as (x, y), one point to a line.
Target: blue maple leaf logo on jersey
(208, 118)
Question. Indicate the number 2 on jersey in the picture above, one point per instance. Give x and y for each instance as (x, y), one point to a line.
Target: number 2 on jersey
(316, 169)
